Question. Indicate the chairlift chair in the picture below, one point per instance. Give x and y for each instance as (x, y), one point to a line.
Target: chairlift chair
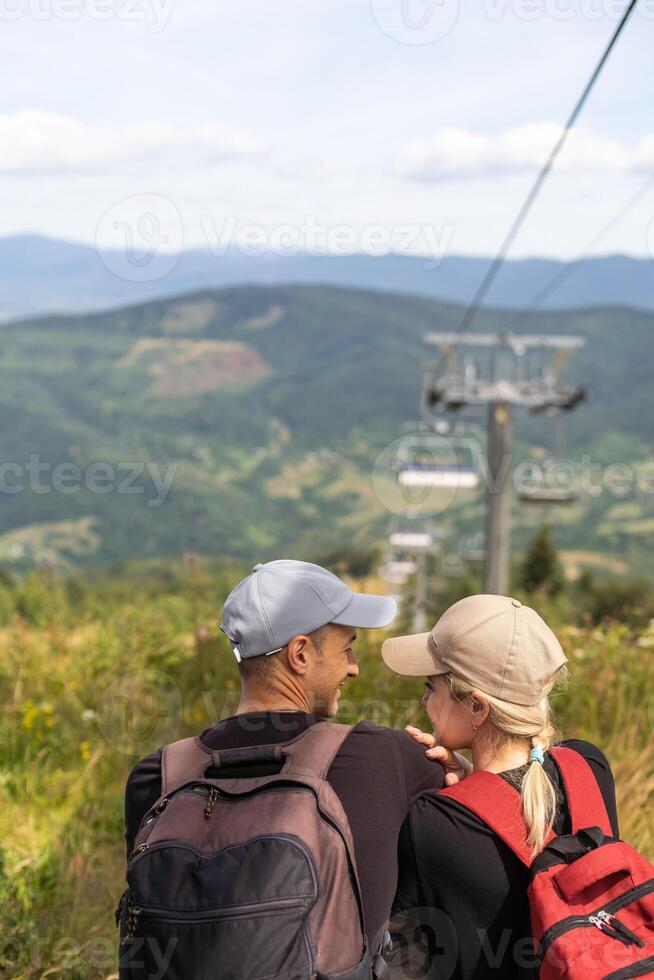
(542, 492)
(409, 533)
(547, 495)
(435, 461)
(473, 548)
(405, 568)
(395, 571)
(453, 567)
(411, 540)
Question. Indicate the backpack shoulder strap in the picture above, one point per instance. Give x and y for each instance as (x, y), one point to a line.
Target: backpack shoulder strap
(585, 800)
(182, 762)
(310, 753)
(498, 805)
(315, 749)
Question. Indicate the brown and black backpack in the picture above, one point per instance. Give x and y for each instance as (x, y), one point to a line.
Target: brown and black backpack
(245, 878)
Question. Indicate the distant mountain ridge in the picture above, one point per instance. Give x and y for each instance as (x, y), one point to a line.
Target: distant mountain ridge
(41, 275)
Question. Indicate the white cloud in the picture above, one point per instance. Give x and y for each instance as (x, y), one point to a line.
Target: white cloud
(463, 154)
(38, 142)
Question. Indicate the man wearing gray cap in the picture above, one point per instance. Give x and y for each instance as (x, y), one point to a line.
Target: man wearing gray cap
(292, 626)
(298, 609)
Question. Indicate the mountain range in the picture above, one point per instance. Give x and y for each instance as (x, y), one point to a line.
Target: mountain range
(42, 275)
(249, 421)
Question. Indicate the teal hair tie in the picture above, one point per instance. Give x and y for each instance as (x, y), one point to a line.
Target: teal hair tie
(536, 755)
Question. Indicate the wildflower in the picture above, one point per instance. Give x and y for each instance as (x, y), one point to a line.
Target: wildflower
(30, 716)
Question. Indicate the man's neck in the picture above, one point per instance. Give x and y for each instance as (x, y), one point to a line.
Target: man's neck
(253, 700)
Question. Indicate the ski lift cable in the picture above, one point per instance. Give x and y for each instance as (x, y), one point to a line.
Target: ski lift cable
(518, 221)
(567, 270)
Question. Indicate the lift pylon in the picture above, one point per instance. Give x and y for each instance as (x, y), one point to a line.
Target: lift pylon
(498, 372)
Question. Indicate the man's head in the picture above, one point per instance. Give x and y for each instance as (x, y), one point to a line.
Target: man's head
(292, 625)
(308, 672)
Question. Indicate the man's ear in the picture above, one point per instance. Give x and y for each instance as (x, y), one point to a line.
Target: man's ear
(297, 653)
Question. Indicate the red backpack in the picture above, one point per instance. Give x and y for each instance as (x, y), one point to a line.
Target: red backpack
(591, 896)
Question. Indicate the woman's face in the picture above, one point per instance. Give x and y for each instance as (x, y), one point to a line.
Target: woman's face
(451, 719)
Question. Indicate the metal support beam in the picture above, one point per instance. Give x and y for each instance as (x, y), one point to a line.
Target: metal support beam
(498, 499)
(420, 607)
(506, 371)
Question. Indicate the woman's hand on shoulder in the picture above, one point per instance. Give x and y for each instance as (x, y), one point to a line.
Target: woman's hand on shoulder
(455, 765)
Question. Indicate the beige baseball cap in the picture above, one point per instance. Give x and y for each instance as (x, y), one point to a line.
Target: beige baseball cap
(491, 641)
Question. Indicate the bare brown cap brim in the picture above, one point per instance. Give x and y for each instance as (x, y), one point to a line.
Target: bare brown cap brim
(411, 656)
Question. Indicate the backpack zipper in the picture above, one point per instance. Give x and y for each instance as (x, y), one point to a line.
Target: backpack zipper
(602, 918)
(620, 927)
(635, 970)
(224, 912)
(211, 802)
(195, 789)
(142, 848)
(601, 922)
(136, 912)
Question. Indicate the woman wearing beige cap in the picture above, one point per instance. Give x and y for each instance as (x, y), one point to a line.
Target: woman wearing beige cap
(490, 664)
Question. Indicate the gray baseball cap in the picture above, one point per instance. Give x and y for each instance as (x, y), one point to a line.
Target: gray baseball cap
(284, 598)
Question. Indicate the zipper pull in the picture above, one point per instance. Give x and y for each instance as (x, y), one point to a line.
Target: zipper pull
(139, 850)
(133, 912)
(618, 926)
(211, 802)
(119, 907)
(608, 930)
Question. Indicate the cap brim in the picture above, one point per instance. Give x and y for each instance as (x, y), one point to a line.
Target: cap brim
(409, 655)
(367, 612)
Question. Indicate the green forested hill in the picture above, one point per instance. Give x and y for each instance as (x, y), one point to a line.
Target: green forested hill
(271, 405)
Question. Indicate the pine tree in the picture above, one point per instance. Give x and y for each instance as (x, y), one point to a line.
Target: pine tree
(541, 569)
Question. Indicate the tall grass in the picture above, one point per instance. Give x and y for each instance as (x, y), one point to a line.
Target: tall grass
(96, 674)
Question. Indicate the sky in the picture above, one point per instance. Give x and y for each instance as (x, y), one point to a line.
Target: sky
(323, 125)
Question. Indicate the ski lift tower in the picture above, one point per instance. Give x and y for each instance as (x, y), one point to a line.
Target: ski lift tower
(499, 371)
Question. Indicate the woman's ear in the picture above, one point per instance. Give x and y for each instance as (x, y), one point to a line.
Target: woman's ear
(480, 708)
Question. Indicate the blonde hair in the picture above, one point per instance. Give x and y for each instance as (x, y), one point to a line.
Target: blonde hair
(535, 725)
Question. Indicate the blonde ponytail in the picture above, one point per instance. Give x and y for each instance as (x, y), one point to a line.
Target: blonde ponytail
(532, 724)
(538, 795)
